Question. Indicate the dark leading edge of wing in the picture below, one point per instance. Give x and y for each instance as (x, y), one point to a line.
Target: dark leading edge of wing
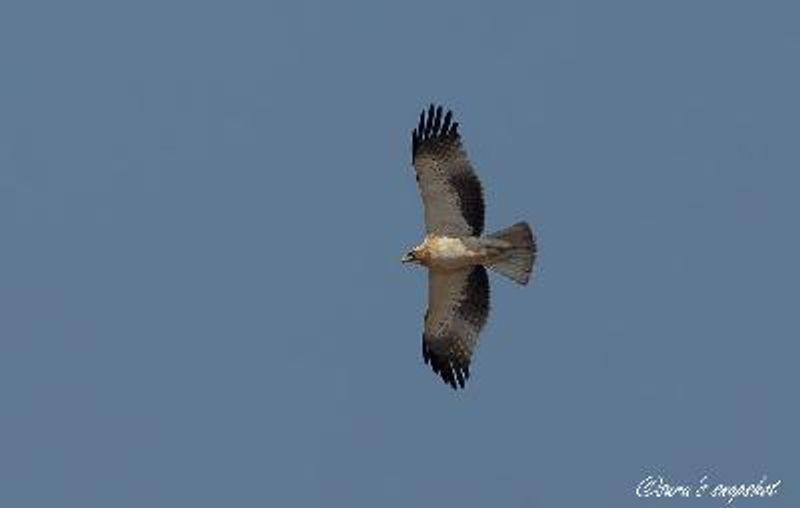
(437, 138)
(450, 356)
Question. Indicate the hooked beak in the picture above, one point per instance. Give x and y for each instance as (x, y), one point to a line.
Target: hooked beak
(408, 258)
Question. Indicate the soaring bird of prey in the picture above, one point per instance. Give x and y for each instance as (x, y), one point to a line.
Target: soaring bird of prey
(454, 251)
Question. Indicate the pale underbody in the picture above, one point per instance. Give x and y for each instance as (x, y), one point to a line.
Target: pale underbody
(453, 253)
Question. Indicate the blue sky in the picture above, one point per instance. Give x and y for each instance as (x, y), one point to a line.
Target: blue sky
(203, 206)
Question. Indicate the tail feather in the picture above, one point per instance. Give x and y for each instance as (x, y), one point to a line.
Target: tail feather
(517, 263)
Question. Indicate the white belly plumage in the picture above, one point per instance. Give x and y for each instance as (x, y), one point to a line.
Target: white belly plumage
(451, 253)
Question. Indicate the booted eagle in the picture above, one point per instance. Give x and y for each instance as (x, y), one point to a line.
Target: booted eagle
(454, 251)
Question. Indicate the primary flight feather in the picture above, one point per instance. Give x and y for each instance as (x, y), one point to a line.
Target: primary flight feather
(454, 251)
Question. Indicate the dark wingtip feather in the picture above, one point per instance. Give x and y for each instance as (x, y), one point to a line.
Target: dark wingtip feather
(460, 376)
(453, 371)
(446, 125)
(434, 124)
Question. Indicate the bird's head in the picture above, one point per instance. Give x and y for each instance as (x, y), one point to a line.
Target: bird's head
(413, 256)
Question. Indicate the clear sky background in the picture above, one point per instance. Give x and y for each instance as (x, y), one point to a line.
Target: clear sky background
(203, 207)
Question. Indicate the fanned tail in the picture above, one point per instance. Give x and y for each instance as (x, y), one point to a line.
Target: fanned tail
(517, 263)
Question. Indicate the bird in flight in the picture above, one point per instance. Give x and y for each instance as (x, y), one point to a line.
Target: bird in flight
(454, 250)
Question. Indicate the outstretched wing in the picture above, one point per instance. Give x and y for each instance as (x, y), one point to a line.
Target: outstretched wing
(451, 191)
(458, 305)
